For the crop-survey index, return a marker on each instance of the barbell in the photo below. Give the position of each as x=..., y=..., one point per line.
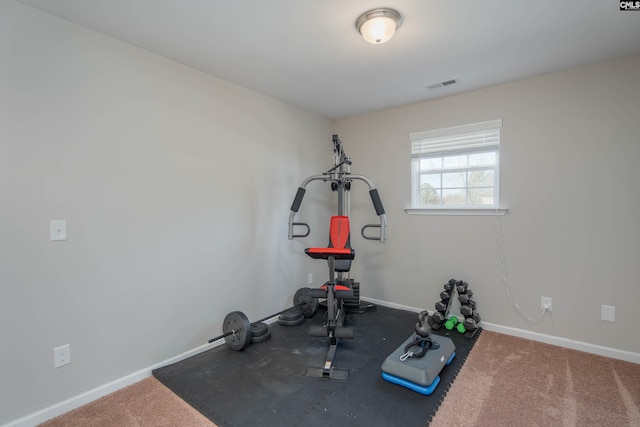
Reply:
x=236, y=328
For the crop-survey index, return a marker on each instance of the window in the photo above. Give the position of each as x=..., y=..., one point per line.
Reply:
x=456, y=167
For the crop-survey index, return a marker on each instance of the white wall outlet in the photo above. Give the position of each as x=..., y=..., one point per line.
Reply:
x=545, y=303
x=608, y=313
x=310, y=279
x=61, y=355
x=58, y=229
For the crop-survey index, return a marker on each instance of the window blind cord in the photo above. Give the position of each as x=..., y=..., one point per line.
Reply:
x=503, y=275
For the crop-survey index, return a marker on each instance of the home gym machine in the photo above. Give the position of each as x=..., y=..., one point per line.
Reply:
x=340, y=292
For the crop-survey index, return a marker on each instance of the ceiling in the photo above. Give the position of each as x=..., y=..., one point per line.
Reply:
x=309, y=53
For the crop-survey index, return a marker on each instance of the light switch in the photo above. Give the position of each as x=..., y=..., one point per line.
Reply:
x=58, y=229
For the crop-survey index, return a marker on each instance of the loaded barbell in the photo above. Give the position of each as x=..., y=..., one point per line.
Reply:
x=236, y=327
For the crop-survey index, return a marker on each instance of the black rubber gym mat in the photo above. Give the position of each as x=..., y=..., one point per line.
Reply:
x=265, y=384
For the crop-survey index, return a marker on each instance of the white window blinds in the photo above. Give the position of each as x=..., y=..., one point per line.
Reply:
x=476, y=136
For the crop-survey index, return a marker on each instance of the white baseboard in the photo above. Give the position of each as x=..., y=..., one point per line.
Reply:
x=627, y=356
x=394, y=305
x=98, y=392
x=53, y=411
x=535, y=336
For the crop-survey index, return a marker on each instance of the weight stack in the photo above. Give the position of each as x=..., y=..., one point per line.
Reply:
x=353, y=304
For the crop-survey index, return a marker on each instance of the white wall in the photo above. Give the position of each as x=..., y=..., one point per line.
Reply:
x=570, y=148
x=176, y=187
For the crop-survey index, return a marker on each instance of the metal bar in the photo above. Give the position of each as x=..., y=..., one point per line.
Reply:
x=278, y=313
x=292, y=214
x=221, y=336
x=328, y=364
x=256, y=322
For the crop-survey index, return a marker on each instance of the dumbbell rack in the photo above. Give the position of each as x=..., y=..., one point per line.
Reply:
x=467, y=308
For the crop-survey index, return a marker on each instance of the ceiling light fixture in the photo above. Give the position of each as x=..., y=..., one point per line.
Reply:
x=378, y=25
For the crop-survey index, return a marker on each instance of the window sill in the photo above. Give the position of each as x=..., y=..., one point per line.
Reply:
x=463, y=211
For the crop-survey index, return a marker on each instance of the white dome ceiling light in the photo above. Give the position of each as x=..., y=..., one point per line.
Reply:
x=378, y=25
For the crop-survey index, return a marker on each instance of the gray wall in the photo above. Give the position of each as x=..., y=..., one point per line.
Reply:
x=569, y=176
x=176, y=187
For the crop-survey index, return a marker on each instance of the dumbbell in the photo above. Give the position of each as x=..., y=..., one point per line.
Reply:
x=461, y=287
x=466, y=310
x=451, y=323
x=445, y=295
x=435, y=326
x=467, y=301
x=461, y=327
x=465, y=297
x=449, y=285
x=441, y=306
x=470, y=324
x=438, y=317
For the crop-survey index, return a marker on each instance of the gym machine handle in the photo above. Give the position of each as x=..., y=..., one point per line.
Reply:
x=371, y=226
x=373, y=192
x=302, y=224
x=377, y=203
x=295, y=206
x=297, y=201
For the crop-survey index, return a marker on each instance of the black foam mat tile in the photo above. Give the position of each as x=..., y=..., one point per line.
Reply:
x=266, y=383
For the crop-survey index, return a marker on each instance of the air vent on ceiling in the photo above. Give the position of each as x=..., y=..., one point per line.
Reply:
x=441, y=84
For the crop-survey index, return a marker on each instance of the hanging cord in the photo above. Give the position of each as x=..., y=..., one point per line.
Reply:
x=503, y=274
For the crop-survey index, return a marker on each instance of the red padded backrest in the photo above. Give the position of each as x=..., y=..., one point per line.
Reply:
x=339, y=232
x=339, y=241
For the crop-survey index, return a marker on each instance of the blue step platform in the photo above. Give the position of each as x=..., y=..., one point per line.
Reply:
x=419, y=374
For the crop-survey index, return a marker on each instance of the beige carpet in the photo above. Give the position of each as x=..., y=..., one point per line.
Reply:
x=509, y=381
x=147, y=403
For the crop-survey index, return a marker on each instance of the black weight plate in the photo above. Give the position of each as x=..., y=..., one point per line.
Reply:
x=259, y=329
x=288, y=319
x=308, y=305
x=294, y=314
x=261, y=338
x=237, y=322
x=294, y=322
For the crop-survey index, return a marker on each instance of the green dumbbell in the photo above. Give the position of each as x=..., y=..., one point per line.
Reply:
x=461, y=328
x=451, y=323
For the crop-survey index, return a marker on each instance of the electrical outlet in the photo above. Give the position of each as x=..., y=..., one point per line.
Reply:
x=310, y=278
x=61, y=356
x=545, y=303
x=608, y=313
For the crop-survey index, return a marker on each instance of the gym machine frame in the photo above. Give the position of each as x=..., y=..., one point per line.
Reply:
x=341, y=178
